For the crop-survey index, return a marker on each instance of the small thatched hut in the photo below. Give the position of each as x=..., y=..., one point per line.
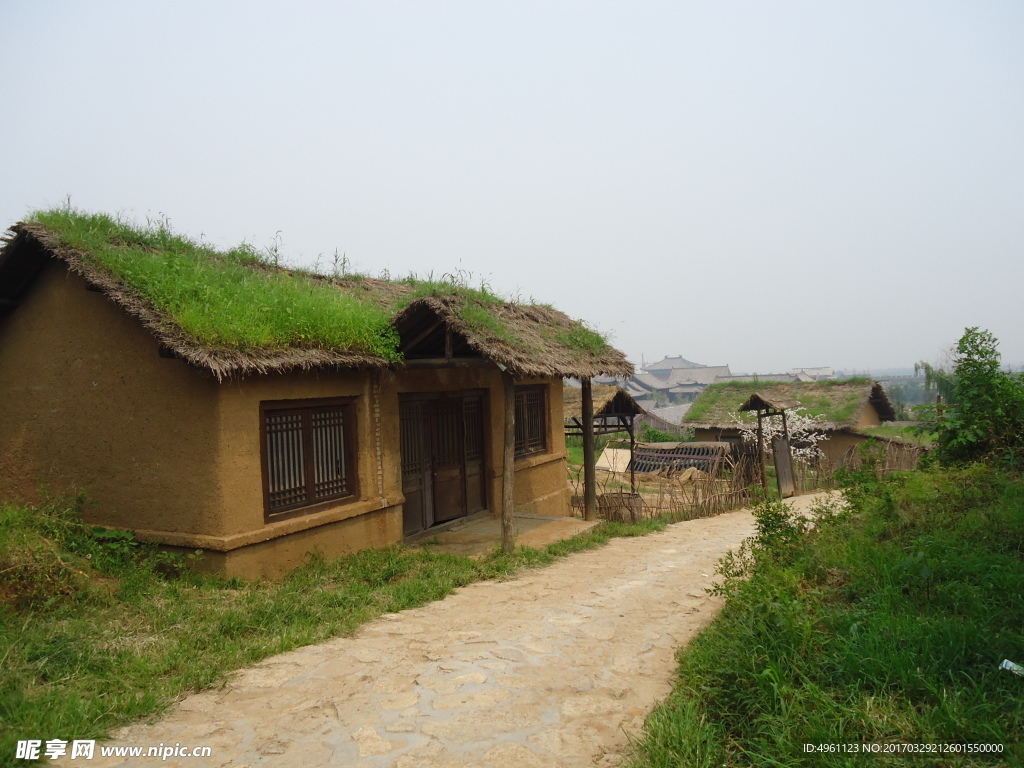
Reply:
x=211, y=400
x=846, y=408
x=613, y=407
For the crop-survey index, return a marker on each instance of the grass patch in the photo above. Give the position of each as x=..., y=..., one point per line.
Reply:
x=477, y=317
x=448, y=286
x=218, y=297
x=574, y=447
x=909, y=434
x=97, y=630
x=715, y=397
x=885, y=624
x=582, y=337
x=575, y=453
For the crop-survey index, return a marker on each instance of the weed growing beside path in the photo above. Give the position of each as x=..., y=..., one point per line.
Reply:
x=97, y=630
x=883, y=625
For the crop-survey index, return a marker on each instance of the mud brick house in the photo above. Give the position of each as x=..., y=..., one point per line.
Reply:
x=848, y=410
x=210, y=400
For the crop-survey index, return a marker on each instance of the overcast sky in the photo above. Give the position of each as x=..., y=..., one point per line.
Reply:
x=763, y=184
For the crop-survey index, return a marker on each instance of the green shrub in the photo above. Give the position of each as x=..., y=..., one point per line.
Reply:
x=985, y=421
x=649, y=434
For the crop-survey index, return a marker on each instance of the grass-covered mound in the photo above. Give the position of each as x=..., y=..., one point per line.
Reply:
x=884, y=625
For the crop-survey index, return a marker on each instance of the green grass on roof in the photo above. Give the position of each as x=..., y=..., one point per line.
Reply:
x=582, y=337
x=835, y=400
x=710, y=398
x=476, y=303
x=242, y=299
x=218, y=297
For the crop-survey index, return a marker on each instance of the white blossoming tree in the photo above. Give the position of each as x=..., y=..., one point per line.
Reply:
x=804, y=434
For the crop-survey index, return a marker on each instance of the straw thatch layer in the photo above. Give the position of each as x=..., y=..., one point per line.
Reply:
x=527, y=343
x=608, y=400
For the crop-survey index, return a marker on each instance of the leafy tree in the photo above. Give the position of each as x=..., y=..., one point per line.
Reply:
x=805, y=432
x=984, y=416
x=938, y=379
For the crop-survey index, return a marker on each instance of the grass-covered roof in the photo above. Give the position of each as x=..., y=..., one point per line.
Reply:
x=838, y=402
x=236, y=311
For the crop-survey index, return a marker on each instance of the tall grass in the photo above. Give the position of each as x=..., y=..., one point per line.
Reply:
x=885, y=624
x=582, y=337
x=97, y=630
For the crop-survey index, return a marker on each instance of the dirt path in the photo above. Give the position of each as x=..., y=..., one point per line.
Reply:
x=554, y=668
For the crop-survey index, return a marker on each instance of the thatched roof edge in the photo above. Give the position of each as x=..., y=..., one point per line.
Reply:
x=603, y=396
x=880, y=399
x=541, y=358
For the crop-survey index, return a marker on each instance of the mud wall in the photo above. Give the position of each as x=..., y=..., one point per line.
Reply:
x=89, y=405
x=868, y=416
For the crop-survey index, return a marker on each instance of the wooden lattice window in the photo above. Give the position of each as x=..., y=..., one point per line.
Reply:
x=308, y=453
x=531, y=420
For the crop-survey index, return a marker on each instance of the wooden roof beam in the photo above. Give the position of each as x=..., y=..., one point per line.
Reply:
x=422, y=335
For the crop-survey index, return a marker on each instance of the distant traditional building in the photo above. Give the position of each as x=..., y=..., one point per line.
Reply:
x=815, y=374
x=674, y=380
x=671, y=363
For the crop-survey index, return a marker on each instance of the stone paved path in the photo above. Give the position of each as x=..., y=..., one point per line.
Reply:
x=555, y=668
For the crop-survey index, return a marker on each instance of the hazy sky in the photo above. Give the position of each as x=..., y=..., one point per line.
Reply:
x=763, y=184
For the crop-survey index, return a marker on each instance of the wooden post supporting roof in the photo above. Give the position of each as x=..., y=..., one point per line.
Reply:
x=761, y=453
x=632, y=453
x=589, y=466
x=508, y=520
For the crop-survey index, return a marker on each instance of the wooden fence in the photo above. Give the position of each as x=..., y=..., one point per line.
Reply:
x=681, y=489
x=691, y=486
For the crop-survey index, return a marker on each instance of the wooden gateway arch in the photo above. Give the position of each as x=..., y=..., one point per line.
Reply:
x=767, y=405
x=593, y=410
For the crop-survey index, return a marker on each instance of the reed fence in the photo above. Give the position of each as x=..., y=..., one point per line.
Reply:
x=687, y=493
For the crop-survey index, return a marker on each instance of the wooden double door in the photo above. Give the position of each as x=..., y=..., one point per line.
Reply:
x=443, y=449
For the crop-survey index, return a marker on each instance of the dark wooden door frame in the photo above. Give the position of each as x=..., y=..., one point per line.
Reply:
x=426, y=447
